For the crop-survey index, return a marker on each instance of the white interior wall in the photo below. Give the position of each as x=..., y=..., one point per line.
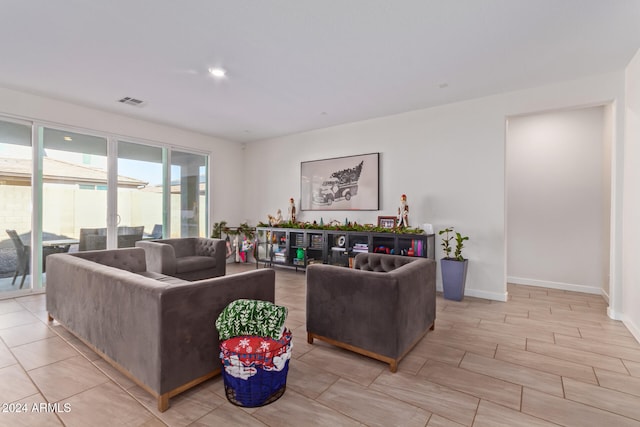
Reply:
x=419, y=154
x=226, y=178
x=556, y=200
x=631, y=216
x=449, y=160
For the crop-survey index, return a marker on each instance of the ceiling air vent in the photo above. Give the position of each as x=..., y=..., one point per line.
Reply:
x=131, y=101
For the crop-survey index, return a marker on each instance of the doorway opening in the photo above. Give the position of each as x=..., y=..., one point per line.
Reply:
x=558, y=199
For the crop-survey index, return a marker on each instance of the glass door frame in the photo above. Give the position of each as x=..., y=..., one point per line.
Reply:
x=32, y=281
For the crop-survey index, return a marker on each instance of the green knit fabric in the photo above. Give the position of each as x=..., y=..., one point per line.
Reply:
x=251, y=317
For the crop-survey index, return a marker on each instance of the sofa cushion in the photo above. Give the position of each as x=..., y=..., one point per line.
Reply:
x=206, y=247
x=162, y=278
x=129, y=259
x=194, y=263
x=183, y=247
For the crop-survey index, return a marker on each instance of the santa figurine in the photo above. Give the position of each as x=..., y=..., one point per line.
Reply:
x=292, y=210
x=403, y=212
x=275, y=220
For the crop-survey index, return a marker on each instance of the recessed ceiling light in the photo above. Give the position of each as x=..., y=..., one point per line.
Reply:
x=217, y=72
x=68, y=138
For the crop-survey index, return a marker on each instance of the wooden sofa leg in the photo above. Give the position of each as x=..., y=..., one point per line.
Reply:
x=393, y=366
x=309, y=338
x=163, y=402
x=433, y=326
x=49, y=317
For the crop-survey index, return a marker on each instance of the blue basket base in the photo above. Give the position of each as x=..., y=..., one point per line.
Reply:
x=258, y=390
x=231, y=397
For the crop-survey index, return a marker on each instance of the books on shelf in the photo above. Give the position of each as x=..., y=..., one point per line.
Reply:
x=417, y=247
x=360, y=247
x=316, y=241
x=279, y=255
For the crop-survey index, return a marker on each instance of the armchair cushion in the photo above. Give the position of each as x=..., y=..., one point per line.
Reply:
x=182, y=246
x=384, y=264
x=194, y=263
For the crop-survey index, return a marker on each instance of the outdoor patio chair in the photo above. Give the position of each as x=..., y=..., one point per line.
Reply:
x=156, y=233
x=23, y=253
x=92, y=239
x=128, y=236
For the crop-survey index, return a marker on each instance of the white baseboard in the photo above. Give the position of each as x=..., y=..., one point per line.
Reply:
x=555, y=285
x=614, y=314
x=486, y=295
x=633, y=328
x=481, y=294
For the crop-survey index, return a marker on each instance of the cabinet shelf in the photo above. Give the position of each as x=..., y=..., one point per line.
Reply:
x=334, y=247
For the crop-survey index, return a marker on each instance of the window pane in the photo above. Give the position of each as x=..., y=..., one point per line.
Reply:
x=140, y=199
x=74, y=196
x=15, y=210
x=188, y=194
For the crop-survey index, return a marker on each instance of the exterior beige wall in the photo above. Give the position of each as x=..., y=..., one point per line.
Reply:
x=15, y=213
x=67, y=208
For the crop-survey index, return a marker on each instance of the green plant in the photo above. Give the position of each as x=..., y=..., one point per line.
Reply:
x=458, y=252
x=246, y=230
x=218, y=228
x=446, y=243
x=221, y=227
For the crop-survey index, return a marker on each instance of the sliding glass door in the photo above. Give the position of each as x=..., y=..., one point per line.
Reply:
x=74, y=191
x=188, y=194
x=67, y=191
x=140, y=193
x=16, y=164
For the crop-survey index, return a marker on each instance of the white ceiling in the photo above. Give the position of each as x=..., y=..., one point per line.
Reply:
x=299, y=65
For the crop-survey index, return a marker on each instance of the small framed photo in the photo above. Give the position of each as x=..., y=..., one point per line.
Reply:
x=387, y=221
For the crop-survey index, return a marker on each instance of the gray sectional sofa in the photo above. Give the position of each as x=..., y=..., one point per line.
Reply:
x=381, y=308
x=158, y=330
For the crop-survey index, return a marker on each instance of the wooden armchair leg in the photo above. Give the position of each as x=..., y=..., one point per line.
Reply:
x=163, y=402
x=309, y=338
x=49, y=317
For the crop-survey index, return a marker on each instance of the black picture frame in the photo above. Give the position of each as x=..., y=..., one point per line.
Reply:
x=341, y=183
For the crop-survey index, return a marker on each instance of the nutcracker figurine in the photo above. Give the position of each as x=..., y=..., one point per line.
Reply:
x=403, y=212
x=292, y=210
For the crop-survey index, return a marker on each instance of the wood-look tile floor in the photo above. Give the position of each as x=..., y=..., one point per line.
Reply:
x=544, y=358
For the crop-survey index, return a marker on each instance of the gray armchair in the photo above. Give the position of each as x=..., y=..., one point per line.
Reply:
x=381, y=308
x=189, y=258
x=92, y=239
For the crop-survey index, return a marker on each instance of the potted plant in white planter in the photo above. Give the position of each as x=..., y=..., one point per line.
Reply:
x=454, y=268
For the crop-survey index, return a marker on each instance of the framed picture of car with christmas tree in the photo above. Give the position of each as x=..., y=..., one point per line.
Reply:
x=340, y=183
